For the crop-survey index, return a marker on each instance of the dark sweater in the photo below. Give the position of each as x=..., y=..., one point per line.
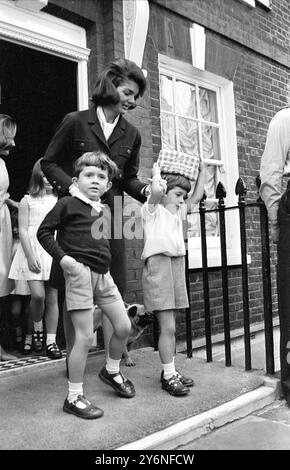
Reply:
x=78, y=235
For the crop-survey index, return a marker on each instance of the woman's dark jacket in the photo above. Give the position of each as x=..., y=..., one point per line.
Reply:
x=81, y=132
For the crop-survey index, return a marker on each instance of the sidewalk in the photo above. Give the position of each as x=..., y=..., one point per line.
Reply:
x=32, y=398
x=266, y=429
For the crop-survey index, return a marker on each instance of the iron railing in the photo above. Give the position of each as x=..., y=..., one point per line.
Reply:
x=221, y=209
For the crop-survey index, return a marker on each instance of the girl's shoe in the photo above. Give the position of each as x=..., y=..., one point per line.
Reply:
x=27, y=347
x=37, y=340
x=53, y=351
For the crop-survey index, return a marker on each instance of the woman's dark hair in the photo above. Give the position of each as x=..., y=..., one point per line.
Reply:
x=174, y=179
x=36, y=185
x=7, y=129
x=119, y=70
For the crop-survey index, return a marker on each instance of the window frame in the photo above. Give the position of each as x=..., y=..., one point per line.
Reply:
x=229, y=157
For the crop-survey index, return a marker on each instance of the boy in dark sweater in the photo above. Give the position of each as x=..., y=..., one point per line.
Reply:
x=82, y=250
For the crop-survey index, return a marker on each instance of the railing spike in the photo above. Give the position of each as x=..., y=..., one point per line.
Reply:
x=220, y=191
x=240, y=189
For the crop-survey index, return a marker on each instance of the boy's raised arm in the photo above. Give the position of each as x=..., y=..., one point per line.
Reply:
x=158, y=188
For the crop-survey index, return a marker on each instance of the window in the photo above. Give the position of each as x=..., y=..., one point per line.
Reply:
x=198, y=118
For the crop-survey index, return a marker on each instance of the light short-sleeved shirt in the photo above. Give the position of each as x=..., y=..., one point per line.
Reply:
x=163, y=234
x=275, y=162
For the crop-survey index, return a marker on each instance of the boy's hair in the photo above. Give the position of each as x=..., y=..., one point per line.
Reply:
x=7, y=129
x=36, y=185
x=174, y=179
x=119, y=70
x=98, y=159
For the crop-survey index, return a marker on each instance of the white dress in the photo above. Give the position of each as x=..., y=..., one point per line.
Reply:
x=21, y=287
x=6, y=285
x=38, y=208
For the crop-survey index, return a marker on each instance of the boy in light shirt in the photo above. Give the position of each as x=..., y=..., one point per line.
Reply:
x=163, y=278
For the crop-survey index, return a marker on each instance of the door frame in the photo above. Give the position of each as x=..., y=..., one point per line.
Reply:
x=46, y=33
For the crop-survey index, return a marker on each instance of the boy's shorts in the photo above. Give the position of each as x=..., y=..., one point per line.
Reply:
x=164, y=285
x=84, y=288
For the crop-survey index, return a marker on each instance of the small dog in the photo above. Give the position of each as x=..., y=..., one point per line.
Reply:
x=139, y=322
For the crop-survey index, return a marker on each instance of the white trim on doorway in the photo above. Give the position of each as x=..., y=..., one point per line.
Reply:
x=49, y=34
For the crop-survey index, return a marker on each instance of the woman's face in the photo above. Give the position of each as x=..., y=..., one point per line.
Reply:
x=128, y=91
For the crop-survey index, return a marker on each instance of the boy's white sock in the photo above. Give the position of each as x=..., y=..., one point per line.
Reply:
x=168, y=370
x=50, y=338
x=74, y=390
x=113, y=367
x=38, y=325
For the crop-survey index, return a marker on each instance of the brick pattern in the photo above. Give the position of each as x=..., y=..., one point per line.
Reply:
x=260, y=88
x=250, y=47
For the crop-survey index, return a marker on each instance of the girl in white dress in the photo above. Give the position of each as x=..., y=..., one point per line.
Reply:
x=32, y=263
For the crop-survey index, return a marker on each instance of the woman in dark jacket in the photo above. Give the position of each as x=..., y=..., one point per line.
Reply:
x=103, y=127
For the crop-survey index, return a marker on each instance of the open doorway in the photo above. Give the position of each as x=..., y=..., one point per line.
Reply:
x=37, y=90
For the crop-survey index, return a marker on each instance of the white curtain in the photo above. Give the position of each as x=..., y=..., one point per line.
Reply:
x=180, y=131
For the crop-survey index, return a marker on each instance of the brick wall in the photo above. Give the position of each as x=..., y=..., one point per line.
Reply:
x=251, y=48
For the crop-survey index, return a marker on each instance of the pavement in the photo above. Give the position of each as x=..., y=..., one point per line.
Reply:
x=32, y=418
x=266, y=429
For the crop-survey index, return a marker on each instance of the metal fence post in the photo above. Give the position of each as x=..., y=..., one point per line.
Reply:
x=241, y=191
x=220, y=195
x=266, y=276
x=207, y=321
x=188, y=309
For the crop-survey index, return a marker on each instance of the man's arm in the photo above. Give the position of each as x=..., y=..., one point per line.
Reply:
x=272, y=166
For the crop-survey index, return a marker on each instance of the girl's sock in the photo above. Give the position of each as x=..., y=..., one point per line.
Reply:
x=38, y=325
x=50, y=338
x=113, y=367
x=74, y=390
x=27, y=343
x=28, y=339
x=168, y=370
x=18, y=334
